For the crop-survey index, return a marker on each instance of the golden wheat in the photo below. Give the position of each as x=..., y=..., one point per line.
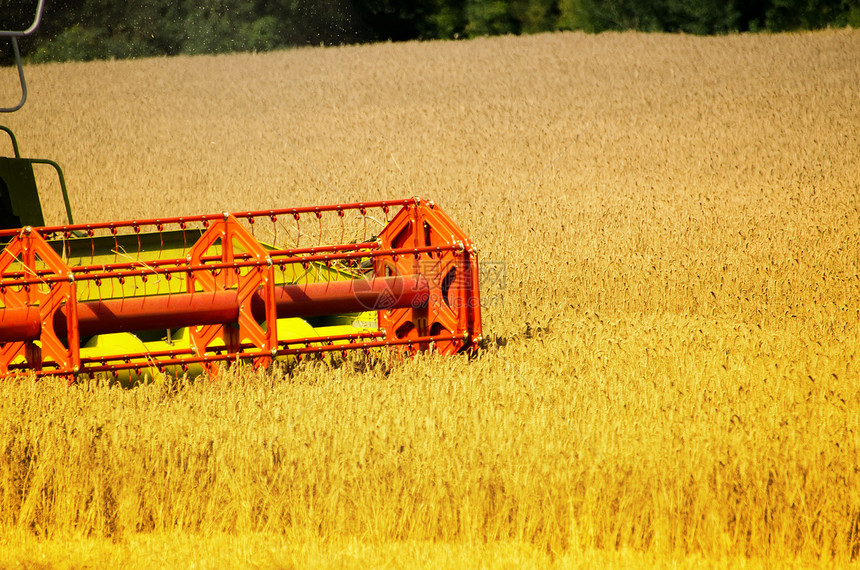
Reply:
x=671, y=231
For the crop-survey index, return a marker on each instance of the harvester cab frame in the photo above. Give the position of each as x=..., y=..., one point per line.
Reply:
x=20, y=204
x=142, y=298
x=13, y=36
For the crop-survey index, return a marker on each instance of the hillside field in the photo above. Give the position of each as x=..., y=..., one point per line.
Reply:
x=669, y=235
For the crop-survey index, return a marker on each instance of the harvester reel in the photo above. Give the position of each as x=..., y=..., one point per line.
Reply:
x=183, y=295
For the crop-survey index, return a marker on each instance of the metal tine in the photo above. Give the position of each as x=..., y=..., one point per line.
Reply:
x=274, y=230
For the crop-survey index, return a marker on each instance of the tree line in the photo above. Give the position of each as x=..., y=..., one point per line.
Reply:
x=104, y=29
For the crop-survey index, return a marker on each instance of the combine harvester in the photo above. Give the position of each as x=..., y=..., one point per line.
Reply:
x=184, y=295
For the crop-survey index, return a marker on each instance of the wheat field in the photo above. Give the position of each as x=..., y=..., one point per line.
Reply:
x=669, y=228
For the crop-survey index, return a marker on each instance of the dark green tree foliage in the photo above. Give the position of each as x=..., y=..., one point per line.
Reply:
x=488, y=18
x=809, y=14
x=395, y=20
x=448, y=19
x=702, y=17
x=708, y=16
x=98, y=29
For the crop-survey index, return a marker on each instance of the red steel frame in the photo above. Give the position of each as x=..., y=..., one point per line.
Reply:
x=423, y=283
